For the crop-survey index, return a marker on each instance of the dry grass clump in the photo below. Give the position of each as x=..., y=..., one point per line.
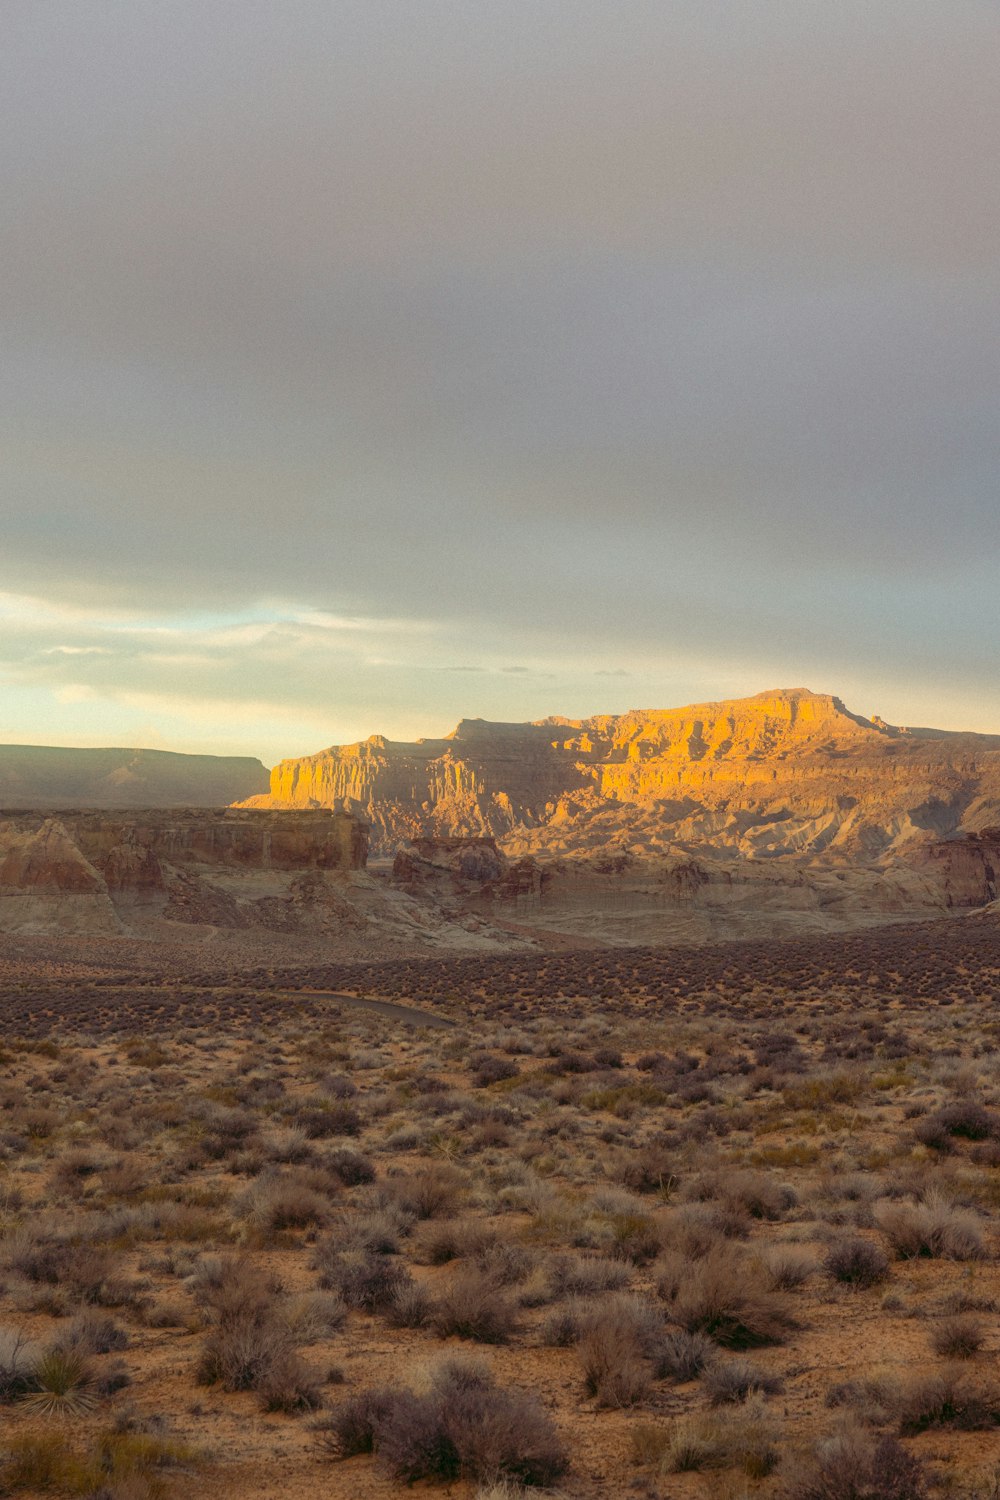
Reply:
x=463, y=1427
x=117, y=1465
x=931, y=1228
x=958, y=1337
x=743, y=1438
x=728, y=1297
x=615, y=1343
x=251, y=1345
x=856, y=1262
x=853, y=1465
x=953, y=1397
x=474, y=1305
x=734, y=1380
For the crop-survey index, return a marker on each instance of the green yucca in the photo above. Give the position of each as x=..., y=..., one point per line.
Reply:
x=61, y=1385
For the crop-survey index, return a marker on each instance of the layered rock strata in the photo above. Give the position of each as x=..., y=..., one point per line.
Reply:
x=103, y=872
x=775, y=813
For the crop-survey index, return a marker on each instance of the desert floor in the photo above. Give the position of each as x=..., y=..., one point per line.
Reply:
x=691, y=1222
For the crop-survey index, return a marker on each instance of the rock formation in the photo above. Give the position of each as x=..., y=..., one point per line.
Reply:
x=105, y=872
x=41, y=776
x=784, y=773
x=781, y=811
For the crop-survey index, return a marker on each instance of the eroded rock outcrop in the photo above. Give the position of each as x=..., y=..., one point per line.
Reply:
x=107, y=872
x=785, y=810
x=790, y=772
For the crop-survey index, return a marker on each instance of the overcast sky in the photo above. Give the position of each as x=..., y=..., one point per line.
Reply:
x=370, y=365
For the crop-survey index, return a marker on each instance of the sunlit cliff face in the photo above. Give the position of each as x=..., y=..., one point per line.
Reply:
x=784, y=772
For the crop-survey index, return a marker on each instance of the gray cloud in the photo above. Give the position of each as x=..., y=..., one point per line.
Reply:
x=666, y=333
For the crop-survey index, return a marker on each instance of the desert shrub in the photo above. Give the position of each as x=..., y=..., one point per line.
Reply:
x=250, y=1346
x=309, y=1316
x=949, y=1398
x=634, y=1237
x=285, y=1384
x=369, y=1283
x=272, y=1204
x=353, y=1426
x=873, y=1400
x=463, y=1427
x=964, y=1118
x=726, y=1296
x=856, y=1262
x=350, y=1166
x=958, y=1337
x=508, y=1264
x=852, y=1465
x=92, y=1332
x=651, y=1169
x=435, y=1244
x=288, y=1146
x=487, y=1069
x=338, y=1086
x=410, y=1306
x=474, y=1306
x=320, y=1119
x=430, y=1193
x=580, y=1276
x=616, y=1369
x=251, y=1351
x=736, y=1379
x=375, y=1231
x=562, y=1326
x=85, y=1272
x=740, y=1438
x=682, y=1356
x=787, y=1267
x=745, y=1192
x=17, y=1360
x=231, y=1285
x=932, y=1228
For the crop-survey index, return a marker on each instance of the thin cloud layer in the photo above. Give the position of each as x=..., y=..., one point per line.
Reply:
x=661, y=339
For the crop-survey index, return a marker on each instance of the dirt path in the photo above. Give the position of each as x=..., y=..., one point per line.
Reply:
x=408, y=1014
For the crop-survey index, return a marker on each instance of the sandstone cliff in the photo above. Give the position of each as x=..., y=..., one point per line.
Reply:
x=789, y=772
x=103, y=872
x=777, y=813
x=40, y=776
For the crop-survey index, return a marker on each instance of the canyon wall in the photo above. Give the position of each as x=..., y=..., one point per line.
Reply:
x=104, y=872
x=779, y=813
x=789, y=772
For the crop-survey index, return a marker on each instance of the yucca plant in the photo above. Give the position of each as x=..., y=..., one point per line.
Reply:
x=61, y=1385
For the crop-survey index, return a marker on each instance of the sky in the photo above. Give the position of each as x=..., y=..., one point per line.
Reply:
x=372, y=364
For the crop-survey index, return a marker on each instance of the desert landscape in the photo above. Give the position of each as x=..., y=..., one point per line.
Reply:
x=717, y=1220
x=329, y=1174
x=499, y=750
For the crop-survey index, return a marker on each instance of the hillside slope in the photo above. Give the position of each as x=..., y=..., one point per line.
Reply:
x=41, y=776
